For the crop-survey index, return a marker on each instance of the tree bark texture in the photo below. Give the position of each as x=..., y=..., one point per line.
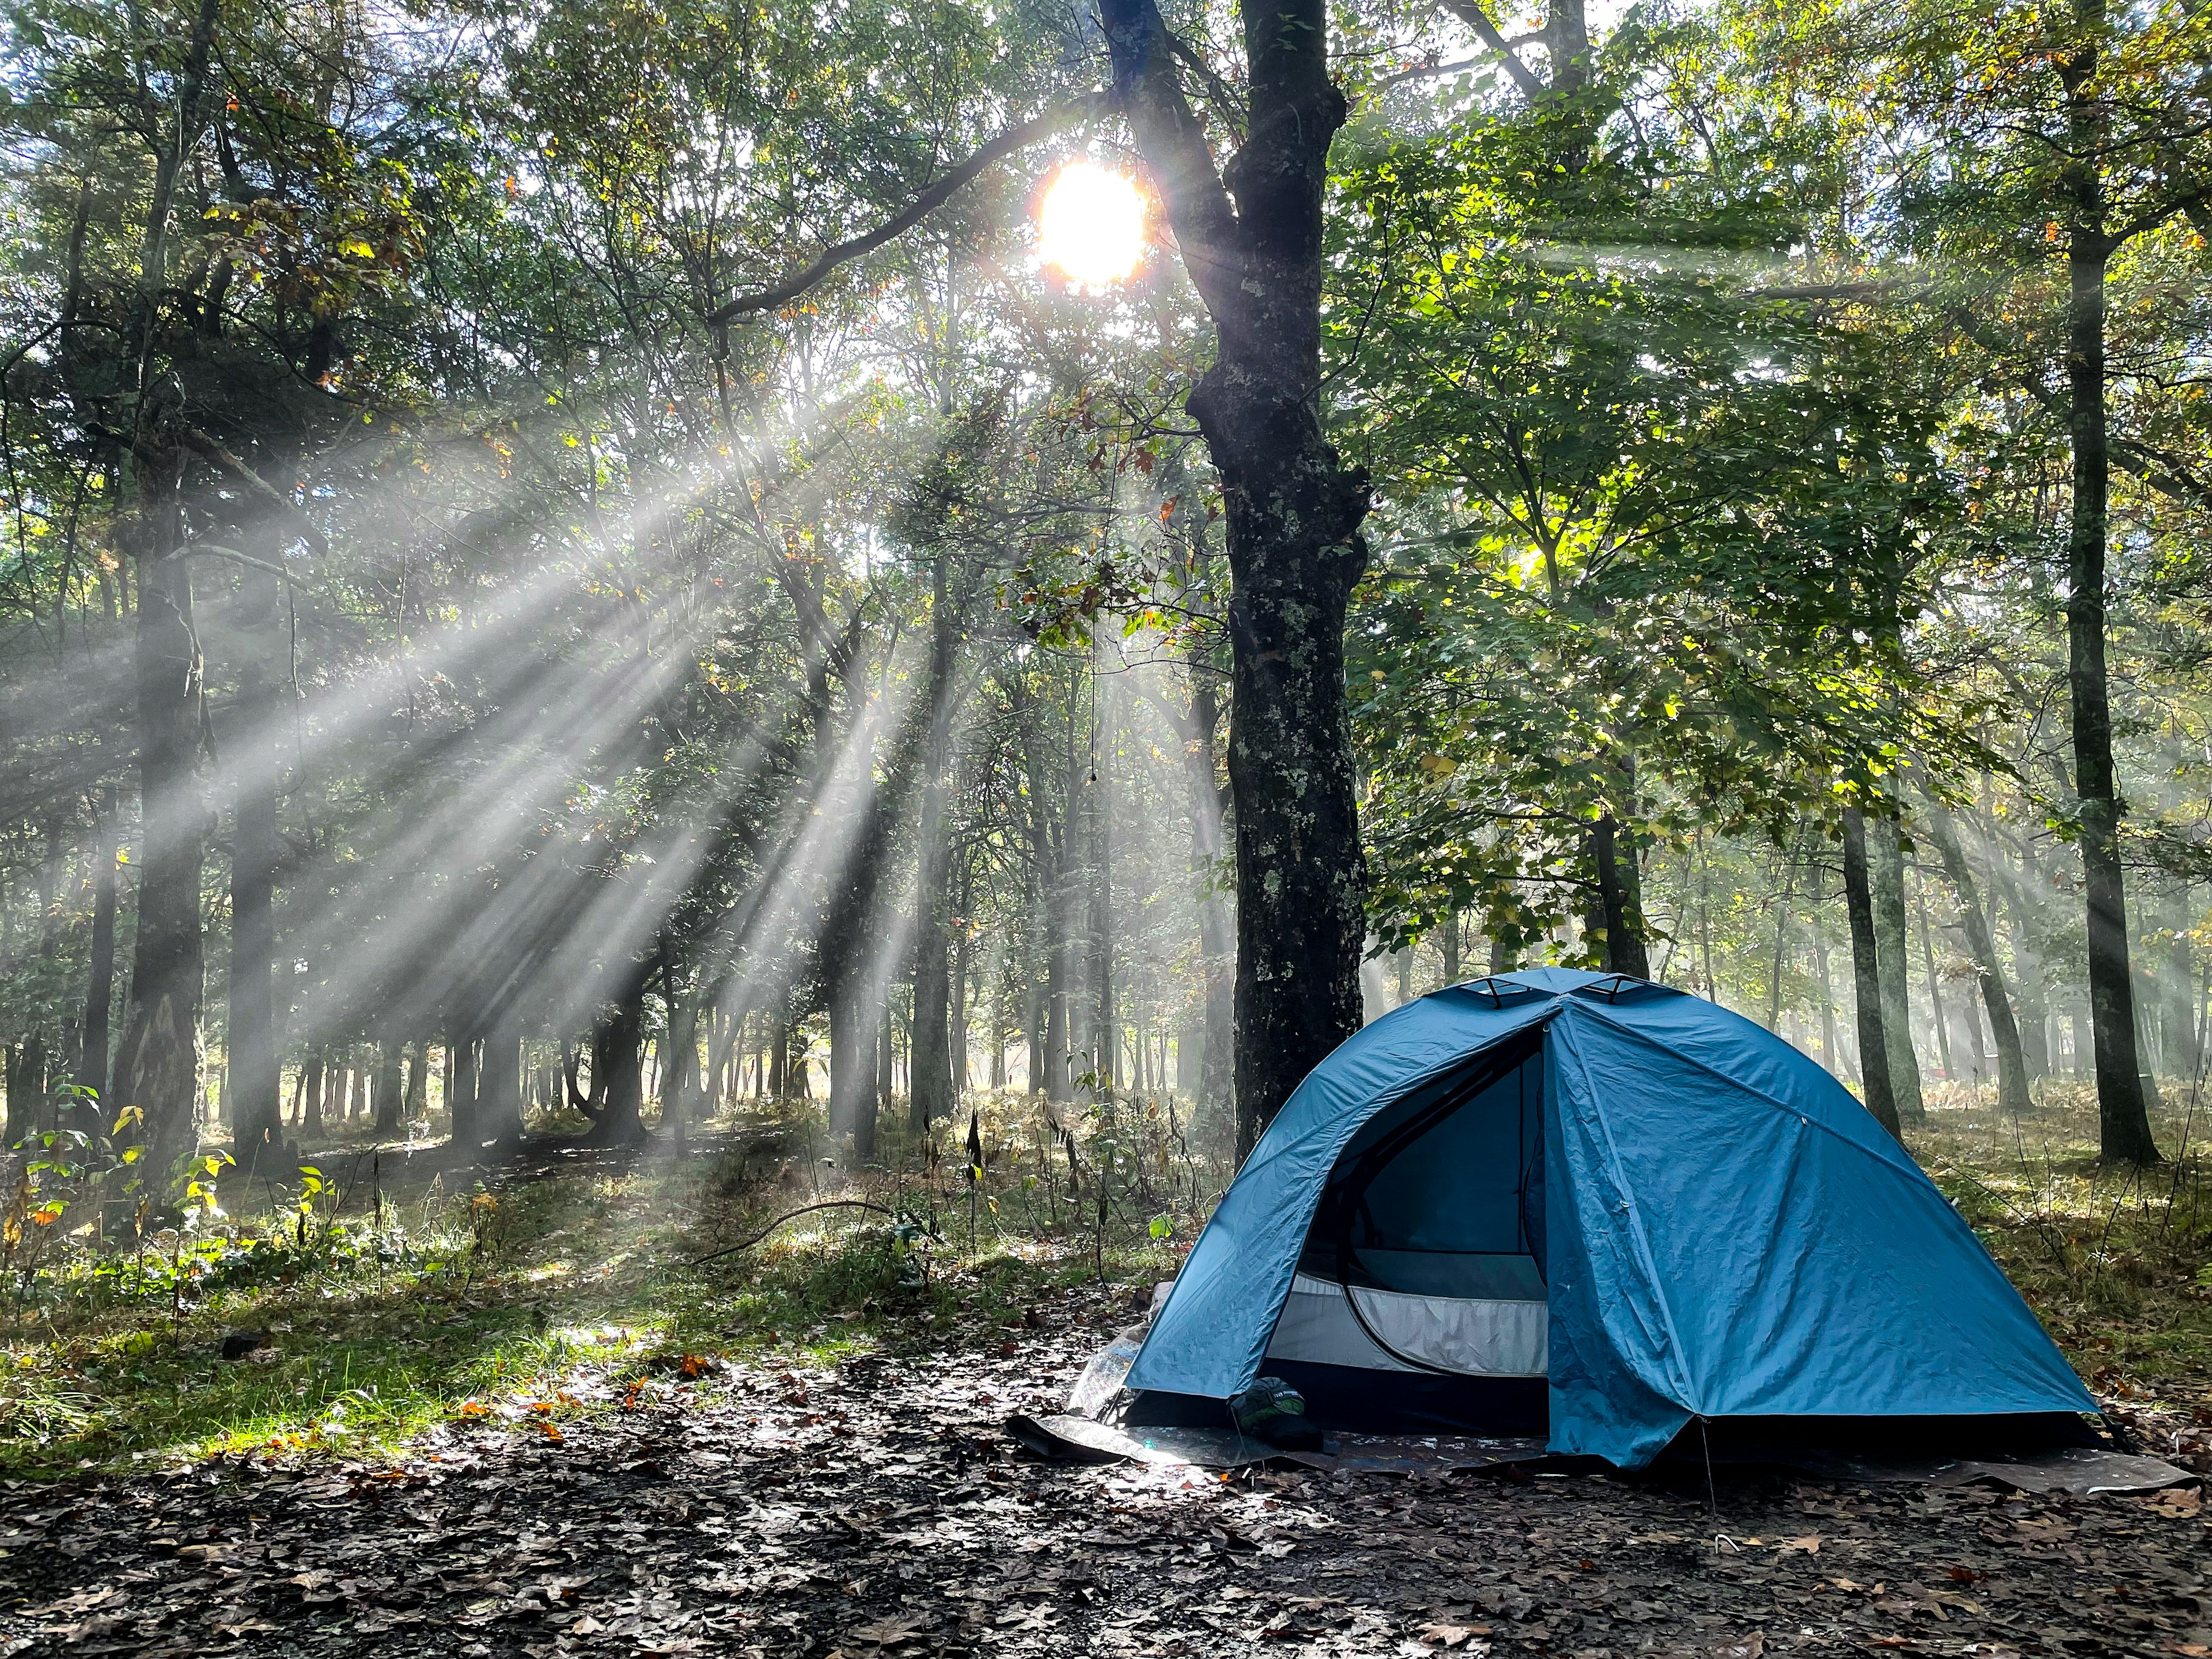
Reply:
x=618, y=1055
x=461, y=1102
x=1098, y=813
x=391, y=1086
x=498, y=1082
x=1619, y=901
x=1251, y=239
x=1866, y=975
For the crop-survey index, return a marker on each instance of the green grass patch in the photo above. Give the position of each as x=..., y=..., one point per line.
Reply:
x=568, y=1289
x=2117, y=1262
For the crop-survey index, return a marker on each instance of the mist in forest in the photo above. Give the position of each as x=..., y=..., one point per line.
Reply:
x=524, y=615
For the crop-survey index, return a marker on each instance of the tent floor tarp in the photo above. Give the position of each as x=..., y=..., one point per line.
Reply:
x=2049, y=1452
x=2082, y=1471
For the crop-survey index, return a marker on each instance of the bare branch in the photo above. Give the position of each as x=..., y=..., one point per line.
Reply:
x=1054, y=121
x=209, y=551
x=1470, y=12
x=201, y=444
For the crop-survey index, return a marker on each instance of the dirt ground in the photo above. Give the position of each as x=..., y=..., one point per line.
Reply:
x=880, y=1509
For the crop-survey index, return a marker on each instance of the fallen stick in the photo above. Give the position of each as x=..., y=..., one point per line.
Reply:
x=828, y=1204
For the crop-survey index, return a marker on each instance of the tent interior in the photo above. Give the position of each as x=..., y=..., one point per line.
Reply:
x=1419, y=1301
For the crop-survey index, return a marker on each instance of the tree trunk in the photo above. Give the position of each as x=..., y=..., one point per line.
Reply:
x=1886, y=872
x=930, y=1087
x=1618, y=906
x=679, y=1069
x=856, y=1019
x=1251, y=239
x=621, y=1047
x=1781, y=939
x=2123, y=1121
x=2004, y=1030
x=461, y=1105
x=1217, y=937
x=391, y=1087
x=1106, y=1032
x=2181, y=995
x=256, y=1084
x=157, y=1069
x=311, y=1095
x=957, y=1022
x=499, y=1082
x=2031, y=990
x=1830, y=1044
x=1935, y=981
x=100, y=978
x=1866, y=975
x=1047, y=837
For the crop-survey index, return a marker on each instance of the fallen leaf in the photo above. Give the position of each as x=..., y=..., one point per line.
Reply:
x=1449, y=1636
x=885, y=1631
x=1810, y=1544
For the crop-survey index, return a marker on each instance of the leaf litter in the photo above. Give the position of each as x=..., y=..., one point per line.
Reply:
x=877, y=1509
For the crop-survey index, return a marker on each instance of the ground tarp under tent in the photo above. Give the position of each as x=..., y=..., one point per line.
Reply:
x=1594, y=1209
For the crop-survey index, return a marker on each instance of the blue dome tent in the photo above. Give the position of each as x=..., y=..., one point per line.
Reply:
x=1588, y=1206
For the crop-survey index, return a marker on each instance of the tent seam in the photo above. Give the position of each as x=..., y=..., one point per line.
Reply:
x=1907, y=1168
x=1679, y=1353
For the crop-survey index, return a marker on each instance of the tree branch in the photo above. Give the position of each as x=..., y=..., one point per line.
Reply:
x=1052, y=121
x=200, y=443
x=1470, y=12
x=209, y=551
x=1173, y=143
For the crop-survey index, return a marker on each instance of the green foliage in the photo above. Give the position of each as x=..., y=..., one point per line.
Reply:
x=1651, y=537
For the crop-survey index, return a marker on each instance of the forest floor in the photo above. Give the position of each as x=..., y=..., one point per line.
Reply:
x=532, y=1428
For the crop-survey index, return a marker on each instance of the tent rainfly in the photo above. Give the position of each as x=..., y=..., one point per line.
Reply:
x=1588, y=1206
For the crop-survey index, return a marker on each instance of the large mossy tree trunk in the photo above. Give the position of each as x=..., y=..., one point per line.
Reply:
x=2123, y=1122
x=1251, y=239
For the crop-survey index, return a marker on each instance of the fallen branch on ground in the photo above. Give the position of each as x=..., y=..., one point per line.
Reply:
x=827, y=1204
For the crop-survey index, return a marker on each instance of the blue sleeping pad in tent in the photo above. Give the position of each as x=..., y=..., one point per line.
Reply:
x=1613, y=1200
